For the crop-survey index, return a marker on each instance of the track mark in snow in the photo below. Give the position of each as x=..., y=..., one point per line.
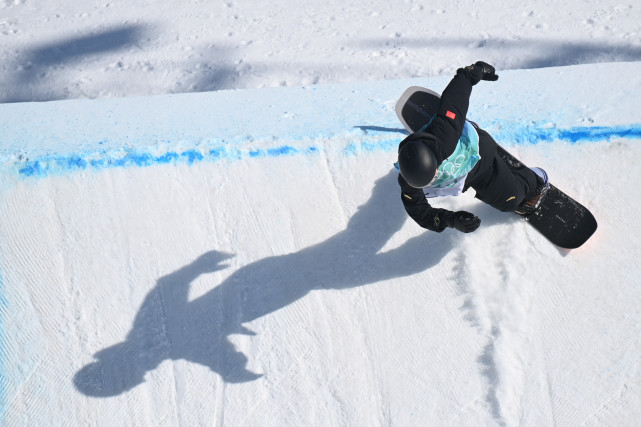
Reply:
x=177, y=378
x=466, y=282
x=334, y=187
x=219, y=417
x=488, y=361
x=470, y=312
x=498, y=306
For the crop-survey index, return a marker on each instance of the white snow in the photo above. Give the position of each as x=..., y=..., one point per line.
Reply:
x=111, y=48
x=241, y=257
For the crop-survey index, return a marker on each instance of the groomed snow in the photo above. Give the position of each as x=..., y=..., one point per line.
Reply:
x=267, y=286
x=89, y=48
x=241, y=257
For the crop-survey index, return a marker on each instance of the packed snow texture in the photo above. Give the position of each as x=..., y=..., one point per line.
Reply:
x=105, y=48
x=242, y=257
x=268, y=286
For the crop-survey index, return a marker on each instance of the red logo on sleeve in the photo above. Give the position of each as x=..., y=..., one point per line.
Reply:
x=450, y=115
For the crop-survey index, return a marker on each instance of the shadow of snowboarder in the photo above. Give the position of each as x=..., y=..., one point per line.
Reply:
x=169, y=327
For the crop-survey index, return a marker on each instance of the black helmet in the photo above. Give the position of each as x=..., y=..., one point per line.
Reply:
x=417, y=163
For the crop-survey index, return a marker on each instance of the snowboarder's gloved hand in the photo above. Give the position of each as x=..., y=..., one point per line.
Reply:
x=465, y=222
x=482, y=71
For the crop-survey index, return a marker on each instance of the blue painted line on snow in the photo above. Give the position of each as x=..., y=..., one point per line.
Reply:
x=536, y=134
x=368, y=140
x=136, y=158
x=515, y=135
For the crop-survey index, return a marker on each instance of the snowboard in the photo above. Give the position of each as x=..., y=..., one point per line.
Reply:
x=561, y=219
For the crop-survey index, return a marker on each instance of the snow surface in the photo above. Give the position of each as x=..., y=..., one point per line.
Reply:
x=111, y=48
x=242, y=257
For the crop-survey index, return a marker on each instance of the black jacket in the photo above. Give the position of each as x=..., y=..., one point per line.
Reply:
x=447, y=127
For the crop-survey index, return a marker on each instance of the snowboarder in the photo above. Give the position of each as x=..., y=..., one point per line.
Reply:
x=451, y=154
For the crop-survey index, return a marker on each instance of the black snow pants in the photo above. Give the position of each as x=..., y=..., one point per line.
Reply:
x=495, y=183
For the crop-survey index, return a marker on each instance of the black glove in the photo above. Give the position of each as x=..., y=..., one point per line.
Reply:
x=482, y=71
x=465, y=222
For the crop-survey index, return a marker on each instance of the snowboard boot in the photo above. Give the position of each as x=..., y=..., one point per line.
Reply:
x=542, y=186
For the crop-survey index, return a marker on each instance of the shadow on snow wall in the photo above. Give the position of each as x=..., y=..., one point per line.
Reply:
x=33, y=79
x=508, y=54
x=35, y=74
x=169, y=327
